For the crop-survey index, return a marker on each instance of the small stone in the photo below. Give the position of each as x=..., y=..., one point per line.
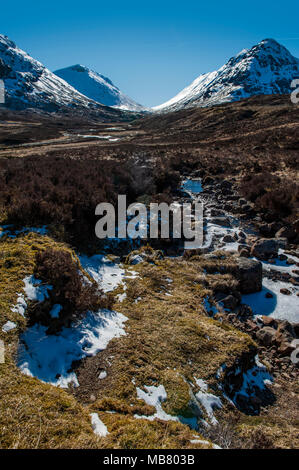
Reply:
x=269, y=321
x=285, y=291
x=228, y=239
x=241, y=235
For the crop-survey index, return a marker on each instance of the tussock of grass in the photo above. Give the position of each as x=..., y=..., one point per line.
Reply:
x=127, y=432
x=36, y=415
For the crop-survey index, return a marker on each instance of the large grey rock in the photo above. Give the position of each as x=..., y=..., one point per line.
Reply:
x=265, y=248
x=249, y=273
x=266, y=336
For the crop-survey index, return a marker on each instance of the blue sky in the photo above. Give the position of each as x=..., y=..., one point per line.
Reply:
x=149, y=49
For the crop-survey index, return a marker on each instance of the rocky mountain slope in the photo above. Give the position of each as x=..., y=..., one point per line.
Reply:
x=29, y=84
x=267, y=68
x=97, y=87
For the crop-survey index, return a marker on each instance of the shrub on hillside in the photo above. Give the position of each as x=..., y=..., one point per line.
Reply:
x=74, y=292
x=272, y=195
x=61, y=191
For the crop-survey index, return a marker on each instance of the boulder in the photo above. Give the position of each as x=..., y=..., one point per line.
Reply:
x=296, y=329
x=228, y=239
x=269, y=321
x=286, y=232
x=270, y=229
x=226, y=184
x=223, y=221
x=287, y=329
x=286, y=349
x=249, y=274
x=245, y=311
x=242, y=201
x=243, y=246
x=265, y=248
x=282, y=242
x=215, y=212
x=208, y=180
x=244, y=253
x=230, y=302
x=266, y=336
x=285, y=291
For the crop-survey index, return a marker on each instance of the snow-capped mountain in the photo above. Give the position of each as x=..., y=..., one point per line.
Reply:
x=267, y=68
x=29, y=84
x=97, y=87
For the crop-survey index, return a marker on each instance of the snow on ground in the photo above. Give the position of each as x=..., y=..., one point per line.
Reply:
x=255, y=378
x=209, y=402
x=107, y=273
x=20, y=306
x=281, y=266
x=201, y=384
x=35, y=290
x=99, y=428
x=280, y=306
x=103, y=270
x=9, y=325
x=100, y=137
x=155, y=396
x=121, y=297
x=215, y=232
x=198, y=440
x=50, y=357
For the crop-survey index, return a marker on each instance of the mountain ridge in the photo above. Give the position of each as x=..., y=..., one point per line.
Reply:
x=29, y=84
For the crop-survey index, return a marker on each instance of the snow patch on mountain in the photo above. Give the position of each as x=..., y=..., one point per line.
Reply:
x=97, y=87
x=267, y=68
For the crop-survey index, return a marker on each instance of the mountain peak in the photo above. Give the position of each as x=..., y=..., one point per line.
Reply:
x=97, y=87
x=265, y=69
x=271, y=46
x=269, y=42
